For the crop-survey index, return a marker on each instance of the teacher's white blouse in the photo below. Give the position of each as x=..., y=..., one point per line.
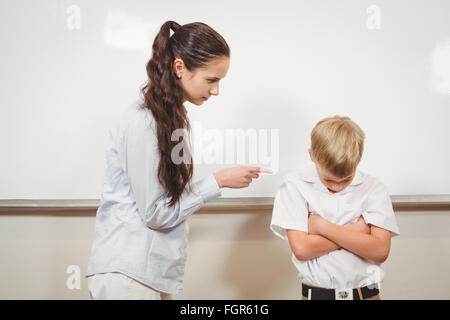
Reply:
x=136, y=233
x=302, y=192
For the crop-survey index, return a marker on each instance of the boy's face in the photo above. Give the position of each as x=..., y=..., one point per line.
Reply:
x=333, y=183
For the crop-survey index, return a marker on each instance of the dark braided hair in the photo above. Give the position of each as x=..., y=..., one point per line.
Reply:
x=196, y=44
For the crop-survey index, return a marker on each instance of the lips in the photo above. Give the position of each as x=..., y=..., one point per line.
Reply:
x=205, y=99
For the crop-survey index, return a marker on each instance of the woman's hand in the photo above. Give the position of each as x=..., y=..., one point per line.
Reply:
x=237, y=177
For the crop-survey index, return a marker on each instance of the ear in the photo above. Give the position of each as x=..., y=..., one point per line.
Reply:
x=310, y=155
x=178, y=67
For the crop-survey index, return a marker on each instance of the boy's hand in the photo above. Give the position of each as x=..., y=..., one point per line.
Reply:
x=315, y=224
x=360, y=226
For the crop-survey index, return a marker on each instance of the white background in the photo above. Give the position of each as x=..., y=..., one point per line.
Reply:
x=292, y=64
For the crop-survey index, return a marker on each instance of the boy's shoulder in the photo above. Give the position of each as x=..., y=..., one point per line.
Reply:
x=307, y=173
x=372, y=182
x=304, y=176
x=365, y=184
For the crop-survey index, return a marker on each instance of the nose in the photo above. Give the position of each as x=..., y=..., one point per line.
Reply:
x=214, y=91
x=335, y=187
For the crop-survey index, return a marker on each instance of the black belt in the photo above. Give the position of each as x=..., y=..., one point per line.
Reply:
x=330, y=294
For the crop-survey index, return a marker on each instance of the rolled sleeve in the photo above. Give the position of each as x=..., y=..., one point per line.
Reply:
x=379, y=210
x=290, y=210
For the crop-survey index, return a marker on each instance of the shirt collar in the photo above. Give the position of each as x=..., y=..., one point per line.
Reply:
x=358, y=179
x=309, y=174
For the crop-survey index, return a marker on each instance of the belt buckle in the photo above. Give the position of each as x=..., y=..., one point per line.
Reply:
x=343, y=294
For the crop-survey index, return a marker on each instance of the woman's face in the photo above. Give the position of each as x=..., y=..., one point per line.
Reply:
x=202, y=82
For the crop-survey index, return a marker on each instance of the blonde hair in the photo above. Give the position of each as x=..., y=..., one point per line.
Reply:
x=337, y=144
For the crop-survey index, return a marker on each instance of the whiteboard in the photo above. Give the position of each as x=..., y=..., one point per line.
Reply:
x=70, y=68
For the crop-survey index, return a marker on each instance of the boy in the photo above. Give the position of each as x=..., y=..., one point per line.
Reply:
x=339, y=221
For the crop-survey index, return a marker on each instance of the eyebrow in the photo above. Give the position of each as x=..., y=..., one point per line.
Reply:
x=213, y=78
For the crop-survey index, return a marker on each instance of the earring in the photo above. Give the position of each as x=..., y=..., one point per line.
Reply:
x=179, y=76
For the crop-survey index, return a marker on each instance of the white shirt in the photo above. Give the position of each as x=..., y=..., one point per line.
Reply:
x=302, y=192
x=136, y=233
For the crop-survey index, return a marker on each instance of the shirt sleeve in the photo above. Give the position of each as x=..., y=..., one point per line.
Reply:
x=142, y=163
x=290, y=210
x=379, y=210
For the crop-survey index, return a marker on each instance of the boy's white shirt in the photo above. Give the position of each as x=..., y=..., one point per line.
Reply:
x=302, y=193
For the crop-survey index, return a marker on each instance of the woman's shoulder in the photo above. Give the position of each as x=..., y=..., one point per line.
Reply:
x=136, y=120
x=136, y=116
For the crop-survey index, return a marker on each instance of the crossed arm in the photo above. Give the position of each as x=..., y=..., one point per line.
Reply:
x=367, y=241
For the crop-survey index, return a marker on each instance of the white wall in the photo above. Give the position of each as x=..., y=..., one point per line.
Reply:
x=292, y=63
x=230, y=256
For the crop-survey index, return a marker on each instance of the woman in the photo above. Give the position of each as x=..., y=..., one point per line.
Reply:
x=139, y=248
